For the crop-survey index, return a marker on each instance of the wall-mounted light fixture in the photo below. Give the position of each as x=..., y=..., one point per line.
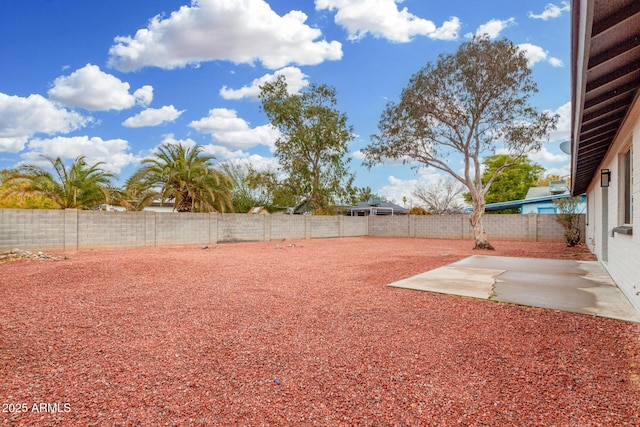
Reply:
x=605, y=177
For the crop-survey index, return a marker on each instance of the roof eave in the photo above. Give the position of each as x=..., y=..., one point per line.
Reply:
x=582, y=20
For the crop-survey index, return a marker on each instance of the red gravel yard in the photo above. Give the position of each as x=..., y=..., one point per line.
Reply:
x=299, y=333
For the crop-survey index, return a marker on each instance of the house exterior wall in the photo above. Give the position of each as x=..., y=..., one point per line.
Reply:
x=535, y=208
x=619, y=253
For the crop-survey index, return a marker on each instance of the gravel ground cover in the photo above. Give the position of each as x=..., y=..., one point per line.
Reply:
x=299, y=333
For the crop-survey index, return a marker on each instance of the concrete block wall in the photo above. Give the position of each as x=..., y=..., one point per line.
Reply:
x=98, y=229
x=241, y=228
x=181, y=229
x=531, y=227
x=290, y=227
x=70, y=230
x=441, y=226
x=506, y=227
x=325, y=226
x=354, y=226
x=20, y=228
x=548, y=228
x=389, y=226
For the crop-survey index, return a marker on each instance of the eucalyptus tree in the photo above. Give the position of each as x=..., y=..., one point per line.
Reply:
x=185, y=176
x=78, y=186
x=460, y=109
x=313, y=142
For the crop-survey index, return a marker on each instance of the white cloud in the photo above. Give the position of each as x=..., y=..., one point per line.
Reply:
x=382, y=18
x=535, y=54
x=547, y=159
x=398, y=188
x=21, y=118
x=545, y=156
x=239, y=31
x=448, y=30
x=229, y=130
x=551, y=11
x=113, y=152
x=562, y=133
x=144, y=95
x=170, y=139
x=153, y=117
x=563, y=128
x=296, y=80
x=358, y=155
x=240, y=157
x=92, y=89
x=563, y=171
x=555, y=62
x=493, y=28
x=226, y=155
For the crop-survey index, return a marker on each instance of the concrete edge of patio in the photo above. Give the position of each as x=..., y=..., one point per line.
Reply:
x=566, y=285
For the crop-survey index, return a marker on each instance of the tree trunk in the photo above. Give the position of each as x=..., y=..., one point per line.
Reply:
x=478, y=228
x=185, y=204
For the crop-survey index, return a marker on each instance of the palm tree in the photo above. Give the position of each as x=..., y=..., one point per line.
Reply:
x=135, y=195
x=184, y=175
x=80, y=186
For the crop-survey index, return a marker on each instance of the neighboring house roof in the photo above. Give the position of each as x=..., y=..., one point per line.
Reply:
x=303, y=208
x=380, y=206
x=535, y=195
x=605, y=59
x=535, y=192
x=258, y=210
x=553, y=189
x=512, y=204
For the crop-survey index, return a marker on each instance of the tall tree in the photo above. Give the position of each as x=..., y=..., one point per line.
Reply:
x=513, y=183
x=442, y=197
x=79, y=186
x=313, y=143
x=462, y=106
x=244, y=195
x=186, y=176
x=274, y=188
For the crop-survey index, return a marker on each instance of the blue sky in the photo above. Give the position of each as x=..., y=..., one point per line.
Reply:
x=114, y=79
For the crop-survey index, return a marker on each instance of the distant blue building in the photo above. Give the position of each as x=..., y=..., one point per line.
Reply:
x=540, y=200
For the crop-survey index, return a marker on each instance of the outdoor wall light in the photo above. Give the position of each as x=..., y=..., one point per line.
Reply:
x=605, y=177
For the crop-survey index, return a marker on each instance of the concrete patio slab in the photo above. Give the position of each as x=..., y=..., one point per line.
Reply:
x=574, y=286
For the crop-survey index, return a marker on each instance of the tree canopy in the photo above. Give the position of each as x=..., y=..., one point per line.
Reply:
x=514, y=182
x=460, y=108
x=15, y=196
x=185, y=176
x=78, y=186
x=313, y=143
x=246, y=193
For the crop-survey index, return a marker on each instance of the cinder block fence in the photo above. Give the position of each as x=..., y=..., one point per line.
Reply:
x=71, y=230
